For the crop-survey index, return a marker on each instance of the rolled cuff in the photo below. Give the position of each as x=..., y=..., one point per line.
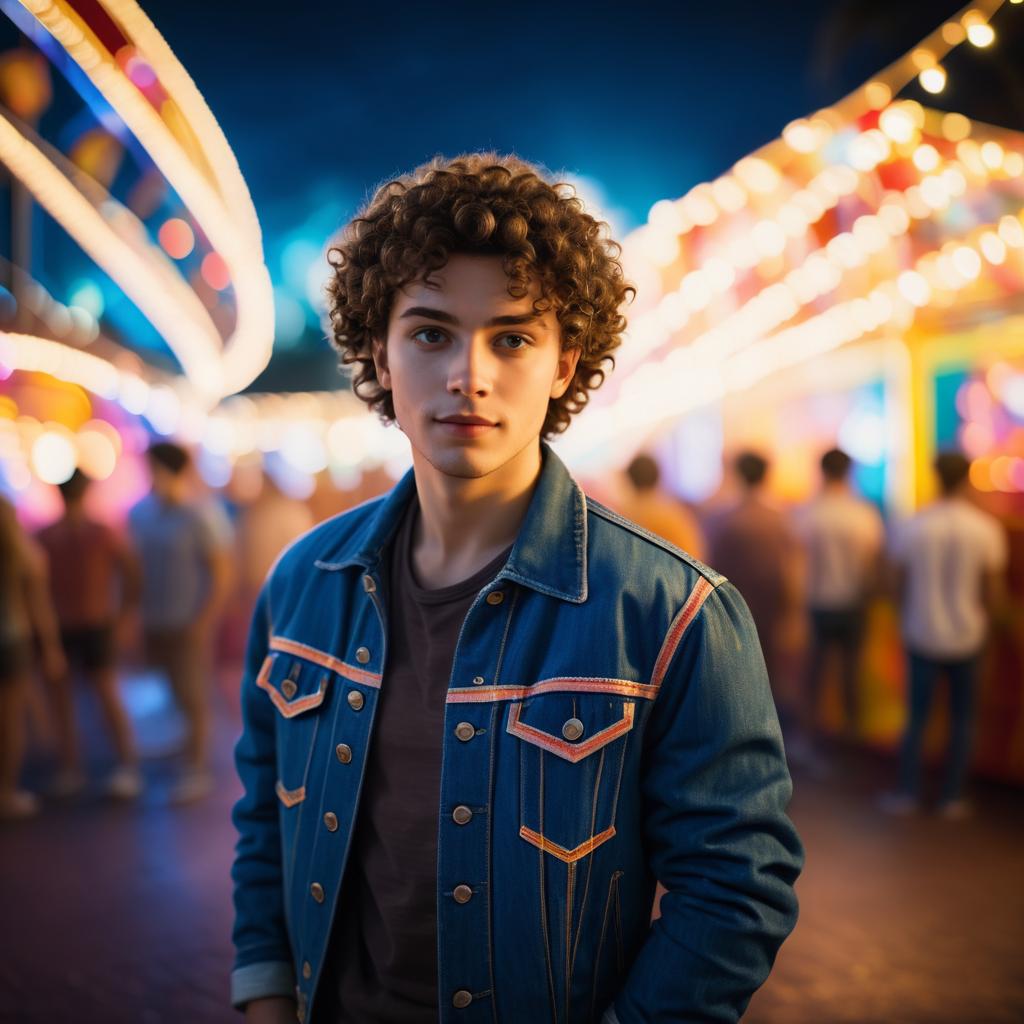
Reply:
x=262, y=980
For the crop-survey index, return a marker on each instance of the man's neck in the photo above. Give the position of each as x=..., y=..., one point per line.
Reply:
x=466, y=522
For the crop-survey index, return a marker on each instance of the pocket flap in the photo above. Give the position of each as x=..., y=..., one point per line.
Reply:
x=293, y=685
x=570, y=728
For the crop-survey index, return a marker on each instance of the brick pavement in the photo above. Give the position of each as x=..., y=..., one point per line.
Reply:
x=122, y=914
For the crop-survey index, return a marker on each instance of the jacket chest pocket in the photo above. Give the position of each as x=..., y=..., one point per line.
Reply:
x=571, y=748
x=298, y=689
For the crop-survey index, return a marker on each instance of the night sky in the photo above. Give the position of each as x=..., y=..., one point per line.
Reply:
x=321, y=101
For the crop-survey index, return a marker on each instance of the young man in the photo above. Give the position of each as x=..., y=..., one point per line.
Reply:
x=950, y=561
x=483, y=715
x=843, y=537
x=184, y=579
x=94, y=580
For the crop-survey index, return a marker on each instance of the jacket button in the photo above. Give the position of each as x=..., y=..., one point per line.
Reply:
x=355, y=700
x=465, y=731
x=289, y=689
x=344, y=752
x=316, y=890
x=331, y=821
x=573, y=729
x=462, y=894
x=462, y=815
x=368, y=585
x=495, y=597
x=307, y=970
x=478, y=680
x=462, y=999
x=362, y=655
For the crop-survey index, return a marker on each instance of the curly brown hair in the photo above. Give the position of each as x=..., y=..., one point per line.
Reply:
x=479, y=203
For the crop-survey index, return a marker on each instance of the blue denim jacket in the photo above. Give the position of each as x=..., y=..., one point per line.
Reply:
x=608, y=725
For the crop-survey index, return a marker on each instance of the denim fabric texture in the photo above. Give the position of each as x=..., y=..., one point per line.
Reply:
x=608, y=724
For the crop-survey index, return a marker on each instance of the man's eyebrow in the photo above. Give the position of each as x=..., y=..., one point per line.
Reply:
x=439, y=314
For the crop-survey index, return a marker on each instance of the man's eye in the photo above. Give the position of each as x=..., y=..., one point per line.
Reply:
x=515, y=341
x=429, y=335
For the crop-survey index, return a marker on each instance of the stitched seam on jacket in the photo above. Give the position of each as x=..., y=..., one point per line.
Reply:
x=590, y=862
x=700, y=593
x=289, y=797
x=562, y=684
x=568, y=856
x=543, y=901
x=322, y=658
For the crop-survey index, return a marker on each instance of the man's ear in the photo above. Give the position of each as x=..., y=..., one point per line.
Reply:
x=379, y=351
x=567, y=360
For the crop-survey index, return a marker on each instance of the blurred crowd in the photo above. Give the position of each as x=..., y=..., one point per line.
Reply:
x=809, y=576
x=80, y=602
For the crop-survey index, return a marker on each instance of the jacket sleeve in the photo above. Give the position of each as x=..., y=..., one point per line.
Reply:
x=715, y=790
x=263, y=957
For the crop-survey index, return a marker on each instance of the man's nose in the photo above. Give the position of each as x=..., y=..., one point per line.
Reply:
x=469, y=372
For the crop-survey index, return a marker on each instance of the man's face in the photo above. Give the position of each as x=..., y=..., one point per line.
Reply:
x=461, y=347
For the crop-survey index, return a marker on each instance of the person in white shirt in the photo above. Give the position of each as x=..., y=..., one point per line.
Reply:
x=950, y=558
x=843, y=537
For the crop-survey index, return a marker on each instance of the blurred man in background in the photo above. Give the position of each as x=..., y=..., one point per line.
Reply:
x=950, y=560
x=650, y=507
x=753, y=545
x=843, y=539
x=94, y=581
x=26, y=616
x=184, y=580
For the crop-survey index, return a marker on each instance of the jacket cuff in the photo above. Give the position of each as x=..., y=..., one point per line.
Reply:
x=261, y=980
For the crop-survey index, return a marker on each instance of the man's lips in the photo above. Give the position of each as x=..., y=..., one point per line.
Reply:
x=466, y=427
x=467, y=421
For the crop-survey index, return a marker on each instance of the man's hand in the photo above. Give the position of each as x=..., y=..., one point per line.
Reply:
x=273, y=1010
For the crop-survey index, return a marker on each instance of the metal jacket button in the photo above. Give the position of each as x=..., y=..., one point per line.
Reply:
x=573, y=729
x=465, y=731
x=478, y=680
x=362, y=655
x=462, y=893
x=316, y=890
x=462, y=815
x=355, y=700
x=462, y=999
x=368, y=585
x=495, y=597
x=307, y=970
x=331, y=821
x=288, y=688
x=344, y=752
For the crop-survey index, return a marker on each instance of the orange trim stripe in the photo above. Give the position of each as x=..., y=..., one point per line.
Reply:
x=288, y=708
x=289, y=797
x=572, y=752
x=564, y=684
x=686, y=615
x=357, y=675
x=569, y=856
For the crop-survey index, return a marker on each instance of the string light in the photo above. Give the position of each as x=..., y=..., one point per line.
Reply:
x=933, y=79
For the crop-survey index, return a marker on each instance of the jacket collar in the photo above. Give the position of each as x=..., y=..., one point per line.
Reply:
x=550, y=552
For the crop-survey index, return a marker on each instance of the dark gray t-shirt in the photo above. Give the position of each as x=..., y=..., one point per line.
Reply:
x=382, y=963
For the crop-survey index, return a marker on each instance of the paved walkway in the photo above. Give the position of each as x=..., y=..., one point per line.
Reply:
x=122, y=914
